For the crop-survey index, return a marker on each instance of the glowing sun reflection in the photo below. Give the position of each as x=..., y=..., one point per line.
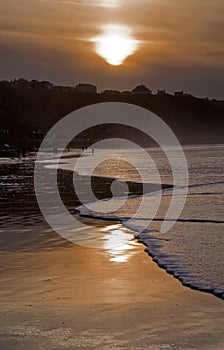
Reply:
x=115, y=44
x=119, y=243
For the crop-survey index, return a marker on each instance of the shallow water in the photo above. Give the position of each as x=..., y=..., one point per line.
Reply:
x=192, y=249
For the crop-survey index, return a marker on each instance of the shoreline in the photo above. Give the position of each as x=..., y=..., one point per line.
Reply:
x=218, y=294
x=168, y=270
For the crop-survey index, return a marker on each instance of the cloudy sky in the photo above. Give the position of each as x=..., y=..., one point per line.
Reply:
x=176, y=44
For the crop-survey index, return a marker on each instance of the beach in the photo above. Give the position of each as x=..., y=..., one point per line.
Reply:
x=59, y=295
x=72, y=297
x=111, y=175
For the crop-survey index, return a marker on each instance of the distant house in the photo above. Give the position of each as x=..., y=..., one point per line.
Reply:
x=86, y=88
x=111, y=92
x=161, y=92
x=66, y=88
x=179, y=93
x=34, y=84
x=20, y=83
x=141, y=90
x=46, y=85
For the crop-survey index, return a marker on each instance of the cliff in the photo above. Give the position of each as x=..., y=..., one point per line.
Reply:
x=24, y=110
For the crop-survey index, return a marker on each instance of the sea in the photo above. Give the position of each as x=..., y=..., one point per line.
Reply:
x=192, y=250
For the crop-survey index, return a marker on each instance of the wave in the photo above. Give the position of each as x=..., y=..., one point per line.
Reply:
x=149, y=238
x=155, y=245
x=84, y=212
x=168, y=263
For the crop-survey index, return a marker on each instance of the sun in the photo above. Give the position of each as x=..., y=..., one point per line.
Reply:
x=115, y=44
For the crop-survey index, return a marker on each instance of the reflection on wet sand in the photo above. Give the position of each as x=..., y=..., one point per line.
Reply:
x=119, y=243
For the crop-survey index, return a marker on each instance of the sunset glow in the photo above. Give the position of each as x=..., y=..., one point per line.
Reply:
x=115, y=44
x=110, y=3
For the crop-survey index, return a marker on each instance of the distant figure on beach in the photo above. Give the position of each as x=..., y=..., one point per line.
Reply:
x=55, y=151
x=93, y=152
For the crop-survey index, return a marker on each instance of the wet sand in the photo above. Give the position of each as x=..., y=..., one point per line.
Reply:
x=57, y=295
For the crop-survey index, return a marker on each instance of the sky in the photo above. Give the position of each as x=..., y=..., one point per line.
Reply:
x=174, y=44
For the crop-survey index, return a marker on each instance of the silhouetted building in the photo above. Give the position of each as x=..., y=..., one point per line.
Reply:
x=161, y=92
x=22, y=83
x=65, y=88
x=86, y=88
x=111, y=92
x=179, y=93
x=141, y=89
x=32, y=85
x=46, y=85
